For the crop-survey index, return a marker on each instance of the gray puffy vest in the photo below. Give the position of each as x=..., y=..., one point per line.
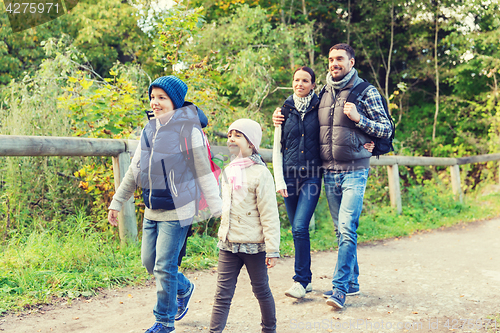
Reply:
x=341, y=141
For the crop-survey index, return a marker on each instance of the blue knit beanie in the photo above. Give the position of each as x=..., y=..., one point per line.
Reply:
x=175, y=88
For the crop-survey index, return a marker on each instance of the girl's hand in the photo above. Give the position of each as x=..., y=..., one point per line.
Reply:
x=271, y=262
x=369, y=146
x=284, y=193
x=113, y=217
x=278, y=117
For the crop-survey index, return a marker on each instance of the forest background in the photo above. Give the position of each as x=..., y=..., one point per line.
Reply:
x=86, y=74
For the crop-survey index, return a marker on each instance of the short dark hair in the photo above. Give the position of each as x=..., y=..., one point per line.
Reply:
x=306, y=69
x=342, y=46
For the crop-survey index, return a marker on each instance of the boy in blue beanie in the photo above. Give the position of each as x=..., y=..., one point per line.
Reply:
x=170, y=192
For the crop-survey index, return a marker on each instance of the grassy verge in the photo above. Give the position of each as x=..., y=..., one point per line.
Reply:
x=72, y=260
x=52, y=264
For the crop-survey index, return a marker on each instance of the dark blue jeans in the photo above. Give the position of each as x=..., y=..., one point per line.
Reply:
x=303, y=195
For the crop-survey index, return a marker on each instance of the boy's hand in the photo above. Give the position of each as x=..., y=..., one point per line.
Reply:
x=278, y=117
x=113, y=217
x=271, y=262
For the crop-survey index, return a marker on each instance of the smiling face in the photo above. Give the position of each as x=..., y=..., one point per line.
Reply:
x=339, y=64
x=302, y=83
x=238, y=144
x=160, y=102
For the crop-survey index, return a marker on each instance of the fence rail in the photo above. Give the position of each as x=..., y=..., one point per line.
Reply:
x=120, y=150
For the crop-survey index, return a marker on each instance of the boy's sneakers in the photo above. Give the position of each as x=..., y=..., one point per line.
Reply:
x=351, y=292
x=309, y=287
x=337, y=300
x=296, y=290
x=160, y=328
x=183, y=303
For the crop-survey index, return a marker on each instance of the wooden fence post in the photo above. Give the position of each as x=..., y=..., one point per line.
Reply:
x=127, y=223
x=394, y=188
x=455, y=182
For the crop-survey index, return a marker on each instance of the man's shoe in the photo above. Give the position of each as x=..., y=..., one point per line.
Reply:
x=296, y=291
x=352, y=291
x=183, y=303
x=160, y=328
x=337, y=300
x=309, y=288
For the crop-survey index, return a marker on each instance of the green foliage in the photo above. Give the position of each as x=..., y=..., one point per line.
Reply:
x=105, y=31
x=41, y=187
x=103, y=108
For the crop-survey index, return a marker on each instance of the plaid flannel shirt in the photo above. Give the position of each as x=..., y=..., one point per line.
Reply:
x=373, y=119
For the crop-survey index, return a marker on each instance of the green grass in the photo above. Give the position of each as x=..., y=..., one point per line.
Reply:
x=46, y=265
x=72, y=260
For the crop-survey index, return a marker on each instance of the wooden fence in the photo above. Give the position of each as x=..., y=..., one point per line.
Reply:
x=120, y=151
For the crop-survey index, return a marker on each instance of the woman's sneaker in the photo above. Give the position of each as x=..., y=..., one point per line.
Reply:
x=160, y=328
x=183, y=303
x=296, y=291
x=352, y=291
x=337, y=300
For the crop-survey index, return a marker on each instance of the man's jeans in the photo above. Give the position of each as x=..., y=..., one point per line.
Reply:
x=344, y=192
x=168, y=238
x=303, y=195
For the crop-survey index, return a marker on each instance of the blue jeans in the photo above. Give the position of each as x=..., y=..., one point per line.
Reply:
x=303, y=195
x=168, y=237
x=344, y=192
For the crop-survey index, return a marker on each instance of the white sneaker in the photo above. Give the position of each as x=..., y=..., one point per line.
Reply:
x=309, y=288
x=296, y=291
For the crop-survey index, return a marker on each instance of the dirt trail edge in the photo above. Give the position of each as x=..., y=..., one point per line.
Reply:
x=440, y=281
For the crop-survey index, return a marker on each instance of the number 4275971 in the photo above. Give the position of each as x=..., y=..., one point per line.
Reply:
x=26, y=7
x=470, y=324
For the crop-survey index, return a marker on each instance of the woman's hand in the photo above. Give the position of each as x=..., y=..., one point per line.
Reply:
x=278, y=117
x=271, y=262
x=369, y=146
x=284, y=193
x=113, y=217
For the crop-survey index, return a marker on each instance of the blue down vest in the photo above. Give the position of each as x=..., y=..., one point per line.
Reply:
x=300, y=144
x=166, y=179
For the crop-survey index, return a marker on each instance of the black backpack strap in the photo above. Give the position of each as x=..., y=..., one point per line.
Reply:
x=321, y=92
x=356, y=91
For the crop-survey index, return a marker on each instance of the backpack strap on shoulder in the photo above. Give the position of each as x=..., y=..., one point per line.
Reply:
x=321, y=92
x=357, y=91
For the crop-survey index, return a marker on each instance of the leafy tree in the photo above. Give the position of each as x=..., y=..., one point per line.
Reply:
x=106, y=31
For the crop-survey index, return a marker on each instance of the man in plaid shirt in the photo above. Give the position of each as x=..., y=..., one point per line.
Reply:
x=344, y=129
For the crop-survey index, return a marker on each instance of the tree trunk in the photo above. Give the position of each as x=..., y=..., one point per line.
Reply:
x=349, y=22
x=310, y=38
x=283, y=21
x=389, y=58
x=437, y=74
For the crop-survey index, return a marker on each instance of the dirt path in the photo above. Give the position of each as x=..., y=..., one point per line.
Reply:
x=410, y=284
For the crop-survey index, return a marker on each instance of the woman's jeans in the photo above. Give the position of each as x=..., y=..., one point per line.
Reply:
x=228, y=269
x=344, y=192
x=161, y=245
x=303, y=195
